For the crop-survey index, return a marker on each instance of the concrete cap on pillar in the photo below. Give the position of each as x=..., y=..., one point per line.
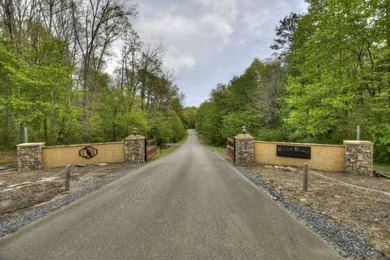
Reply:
x=356, y=142
x=30, y=144
x=244, y=136
x=134, y=137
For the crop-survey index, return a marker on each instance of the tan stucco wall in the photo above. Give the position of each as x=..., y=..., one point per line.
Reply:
x=57, y=156
x=323, y=157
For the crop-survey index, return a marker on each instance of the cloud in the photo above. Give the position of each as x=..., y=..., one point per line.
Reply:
x=187, y=39
x=228, y=9
x=179, y=60
x=208, y=42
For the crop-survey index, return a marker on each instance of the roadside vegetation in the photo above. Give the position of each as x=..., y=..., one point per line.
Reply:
x=329, y=74
x=218, y=148
x=165, y=148
x=382, y=167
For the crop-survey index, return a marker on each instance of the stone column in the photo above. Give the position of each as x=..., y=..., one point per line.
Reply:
x=244, y=149
x=30, y=156
x=135, y=149
x=359, y=157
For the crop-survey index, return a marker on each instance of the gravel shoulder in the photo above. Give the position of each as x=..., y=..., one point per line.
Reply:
x=351, y=212
x=28, y=196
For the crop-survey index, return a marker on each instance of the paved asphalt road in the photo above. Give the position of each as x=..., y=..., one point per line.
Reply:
x=189, y=205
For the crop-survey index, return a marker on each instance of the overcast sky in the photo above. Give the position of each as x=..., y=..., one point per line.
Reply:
x=207, y=42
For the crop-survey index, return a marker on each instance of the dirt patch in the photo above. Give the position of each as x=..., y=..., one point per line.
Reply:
x=21, y=191
x=7, y=157
x=360, y=203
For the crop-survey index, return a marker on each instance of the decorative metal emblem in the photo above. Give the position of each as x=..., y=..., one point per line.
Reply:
x=88, y=152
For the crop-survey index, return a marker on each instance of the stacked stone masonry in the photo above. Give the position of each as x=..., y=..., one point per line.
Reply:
x=359, y=157
x=244, y=150
x=135, y=149
x=30, y=156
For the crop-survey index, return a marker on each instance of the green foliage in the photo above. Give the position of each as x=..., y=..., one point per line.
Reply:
x=252, y=100
x=209, y=121
x=338, y=65
x=37, y=96
x=336, y=59
x=52, y=79
x=137, y=119
x=188, y=117
x=381, y=138
x=273, y=134
x=232, y=122
x=178, y=128
x=166, y=128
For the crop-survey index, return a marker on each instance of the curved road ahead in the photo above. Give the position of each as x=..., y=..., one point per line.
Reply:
x=191, y=204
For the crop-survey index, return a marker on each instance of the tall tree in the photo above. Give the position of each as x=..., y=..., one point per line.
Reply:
x=336, y=44
x=284, y=32
x=97, y=24
x=37, y=96
x=252, y=99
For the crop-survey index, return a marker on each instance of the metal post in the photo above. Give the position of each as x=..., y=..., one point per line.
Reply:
x=234, y=149
x=305, y=176
x=146, y=150
x=358, y=132
x=25, y=131
x=67, y=177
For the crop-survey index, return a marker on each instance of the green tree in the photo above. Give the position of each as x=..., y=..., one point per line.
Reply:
x=209, y=121
x=335, y=81
x=37, y=96
x=189, y=117
x=253, y=99
x=52, y=79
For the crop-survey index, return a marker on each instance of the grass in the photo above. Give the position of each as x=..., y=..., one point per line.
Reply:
x=219, y=149
x=163, y=152
x=382, y=167
x=203, y=140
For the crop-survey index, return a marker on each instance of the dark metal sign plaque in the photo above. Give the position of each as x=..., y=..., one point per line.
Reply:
x=303, y=152
x=88, y=152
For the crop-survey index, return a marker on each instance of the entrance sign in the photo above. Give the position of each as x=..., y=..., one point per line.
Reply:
x=303, y=152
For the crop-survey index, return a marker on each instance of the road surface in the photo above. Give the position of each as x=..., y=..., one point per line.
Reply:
x=191, y=204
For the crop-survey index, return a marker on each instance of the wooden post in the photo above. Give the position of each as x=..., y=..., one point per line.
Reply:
x=305, y=176
x=67, y=177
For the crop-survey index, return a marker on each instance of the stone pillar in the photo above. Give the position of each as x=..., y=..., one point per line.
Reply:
x=359, y=157
x=30, y=156
x=244, y=149
x=135, y=149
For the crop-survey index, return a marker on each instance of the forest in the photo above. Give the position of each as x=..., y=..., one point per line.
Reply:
x=330, y=73
x=53, y=60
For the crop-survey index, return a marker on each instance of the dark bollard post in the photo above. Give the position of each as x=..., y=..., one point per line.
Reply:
x=67, y=177
x=305, y=176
